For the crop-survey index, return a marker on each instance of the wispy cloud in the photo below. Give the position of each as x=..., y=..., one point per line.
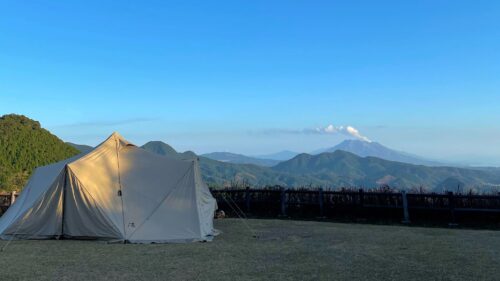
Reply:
x=349, y=131
x=103, y=123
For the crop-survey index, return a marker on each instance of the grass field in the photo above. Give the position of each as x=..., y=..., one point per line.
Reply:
x=284, y=250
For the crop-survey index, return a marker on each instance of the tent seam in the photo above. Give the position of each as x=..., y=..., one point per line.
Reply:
x=161, y=202
x=121, y=188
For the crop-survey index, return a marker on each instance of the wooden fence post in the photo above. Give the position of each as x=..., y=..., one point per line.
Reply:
x=247, y=198
x=361, y=197
x=451, y=204
x=12, y=197
x=320, y=201
x=283, y=202
x=406, y=219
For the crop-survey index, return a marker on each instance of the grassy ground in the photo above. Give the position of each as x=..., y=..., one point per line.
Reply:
x=284, y=250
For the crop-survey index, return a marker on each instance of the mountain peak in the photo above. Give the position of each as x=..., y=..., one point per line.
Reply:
x=164, y=149
x=374, y=149
x=360, y=142
x=357, y=141
x=20, y=120
x=160, y=147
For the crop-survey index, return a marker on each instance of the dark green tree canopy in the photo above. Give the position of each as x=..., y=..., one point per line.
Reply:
x=25, y=145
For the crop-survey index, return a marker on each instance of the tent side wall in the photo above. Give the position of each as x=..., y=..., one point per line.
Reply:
x=39, y=216
x=83, y=217
x=94, y=208
x=175, y=218
x=206, y=204
x=31, y=206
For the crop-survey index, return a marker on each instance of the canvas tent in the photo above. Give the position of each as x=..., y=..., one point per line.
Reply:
x=117, y=191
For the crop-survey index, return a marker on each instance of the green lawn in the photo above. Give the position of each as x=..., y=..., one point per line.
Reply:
x=284, y=250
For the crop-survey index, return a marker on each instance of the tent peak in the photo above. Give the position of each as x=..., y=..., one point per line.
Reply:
x=116, y=135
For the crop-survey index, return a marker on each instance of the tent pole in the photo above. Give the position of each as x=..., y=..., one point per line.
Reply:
x=64, y=202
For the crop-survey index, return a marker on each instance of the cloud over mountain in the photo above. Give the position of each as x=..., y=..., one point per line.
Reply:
x=345, y=130
x=349, y=131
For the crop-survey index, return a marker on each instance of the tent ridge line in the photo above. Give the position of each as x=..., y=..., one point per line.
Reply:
x=66, y=174
x=120, y=191
x=196, y=191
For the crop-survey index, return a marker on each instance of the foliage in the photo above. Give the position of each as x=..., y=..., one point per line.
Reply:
x=25, y=145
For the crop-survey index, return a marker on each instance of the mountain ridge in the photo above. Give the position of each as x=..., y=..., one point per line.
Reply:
x=341, y=168
x=328, y=169
x=372, y=171
x=279, y=156
x=81, y=147
x=375, y=149
x=240, y=159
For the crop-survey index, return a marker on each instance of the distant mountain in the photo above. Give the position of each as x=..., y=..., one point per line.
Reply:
x=220, y=174
x=25, y=145
x=240, y=159
x=81, y=147
x=164, y=149
x=450, y=184
x=159, y=147
x=341, y=168
x=279, y=156
x=374, y=149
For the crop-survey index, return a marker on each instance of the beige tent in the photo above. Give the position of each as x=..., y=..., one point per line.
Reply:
x=117, y=191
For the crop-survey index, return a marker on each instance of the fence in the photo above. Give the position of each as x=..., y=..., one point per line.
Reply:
x=405, y=207
x=6, y=199
x=351, y=205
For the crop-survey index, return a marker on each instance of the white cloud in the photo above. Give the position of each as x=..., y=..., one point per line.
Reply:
x=330, y=129
x=355, y=133
x=345, y=130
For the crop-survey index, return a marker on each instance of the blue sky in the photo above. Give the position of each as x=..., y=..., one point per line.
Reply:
x=418, y=76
